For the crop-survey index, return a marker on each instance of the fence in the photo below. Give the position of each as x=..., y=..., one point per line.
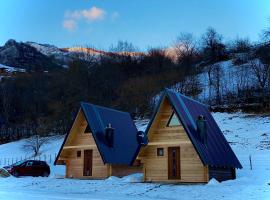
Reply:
x=49, y=158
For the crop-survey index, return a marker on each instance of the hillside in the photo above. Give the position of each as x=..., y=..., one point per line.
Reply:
x=248, y=135
x=46, y=84
x=21, y=55
x=33, y=56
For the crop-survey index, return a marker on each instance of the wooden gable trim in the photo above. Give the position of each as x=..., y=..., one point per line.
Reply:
x=154, y=118
x=94, y=137
x=155, y=115
x=80, y=111
x=185, y=128
x=71, y=127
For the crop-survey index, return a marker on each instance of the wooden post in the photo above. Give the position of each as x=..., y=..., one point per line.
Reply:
x=144, y=173
x=110, y=170
x=206, y=173
x=250, y=162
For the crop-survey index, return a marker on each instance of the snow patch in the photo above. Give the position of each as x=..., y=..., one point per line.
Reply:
x=9, y=69
x=213, y=181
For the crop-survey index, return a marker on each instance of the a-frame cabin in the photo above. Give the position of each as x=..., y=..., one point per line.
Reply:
x=185, y=144
x=101, y=142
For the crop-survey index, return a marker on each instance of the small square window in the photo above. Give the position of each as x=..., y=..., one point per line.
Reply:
x=79, y=154
x=160, y=152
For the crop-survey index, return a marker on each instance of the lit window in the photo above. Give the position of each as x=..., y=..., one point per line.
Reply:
x=160, y=152
x=173, y=121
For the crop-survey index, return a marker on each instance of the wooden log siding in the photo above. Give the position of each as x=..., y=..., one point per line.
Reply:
x=80, y=141
x=161, y=136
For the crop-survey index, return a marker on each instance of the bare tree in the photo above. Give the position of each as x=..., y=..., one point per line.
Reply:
x=217, y=76
x=33, y=144
x=87, y=53
x=186, y=52
x=213, y=51
x=185, y=45
x=123, y=46
x=266, y=34
x=262, y=74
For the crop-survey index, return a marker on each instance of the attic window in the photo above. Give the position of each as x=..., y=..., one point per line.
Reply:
x=87, y=129
x=173, y=121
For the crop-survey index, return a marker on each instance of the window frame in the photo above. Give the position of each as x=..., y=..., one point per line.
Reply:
x=158, y=151
x=168, y=123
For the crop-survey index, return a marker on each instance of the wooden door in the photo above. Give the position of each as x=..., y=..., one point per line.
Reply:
x=87, y=165
x=174, y=171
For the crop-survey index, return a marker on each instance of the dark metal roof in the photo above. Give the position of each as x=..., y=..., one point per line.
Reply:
x=125, y=145
x=216, y=152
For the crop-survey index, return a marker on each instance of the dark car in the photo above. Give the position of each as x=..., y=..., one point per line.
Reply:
x=29, y=168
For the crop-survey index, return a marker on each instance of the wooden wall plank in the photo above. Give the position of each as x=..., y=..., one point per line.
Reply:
x=80, y=141
x=161, y=136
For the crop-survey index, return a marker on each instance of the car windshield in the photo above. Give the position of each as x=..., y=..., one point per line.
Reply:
x=18, y=163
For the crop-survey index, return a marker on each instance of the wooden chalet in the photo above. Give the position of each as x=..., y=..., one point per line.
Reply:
x=185, y=144
x=101, y=142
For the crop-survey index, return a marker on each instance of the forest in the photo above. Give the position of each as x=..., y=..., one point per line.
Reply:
x=44, y=103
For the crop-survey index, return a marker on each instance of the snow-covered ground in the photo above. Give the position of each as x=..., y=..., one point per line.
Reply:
x=249, y=135
x=10, y=69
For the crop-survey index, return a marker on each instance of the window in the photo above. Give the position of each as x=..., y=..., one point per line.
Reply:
x=29, y=164
x=173, y=121
x=79, y=153
x=87, y=129
x=160, y=152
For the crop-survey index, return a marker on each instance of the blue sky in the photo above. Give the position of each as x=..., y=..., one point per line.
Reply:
x=143, y=22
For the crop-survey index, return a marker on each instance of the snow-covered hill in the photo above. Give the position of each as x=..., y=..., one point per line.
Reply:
x=249, y=135
x=10, y=69
x=7, y=71
x=233, y=78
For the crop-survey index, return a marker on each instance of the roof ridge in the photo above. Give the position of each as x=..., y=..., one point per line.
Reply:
x=103, y=107
x=98, y=117
x=189, y=98
x=187, y=111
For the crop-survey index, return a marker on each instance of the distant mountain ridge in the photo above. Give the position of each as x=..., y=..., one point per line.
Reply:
x=46, y=57
x=22, y=55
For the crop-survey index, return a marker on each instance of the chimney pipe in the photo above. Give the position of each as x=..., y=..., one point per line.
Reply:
x=109, y=135
x=201, y=128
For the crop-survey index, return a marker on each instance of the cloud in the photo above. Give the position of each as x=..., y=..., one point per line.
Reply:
x=73, y=18
x=70, y=24
x=92, y=14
